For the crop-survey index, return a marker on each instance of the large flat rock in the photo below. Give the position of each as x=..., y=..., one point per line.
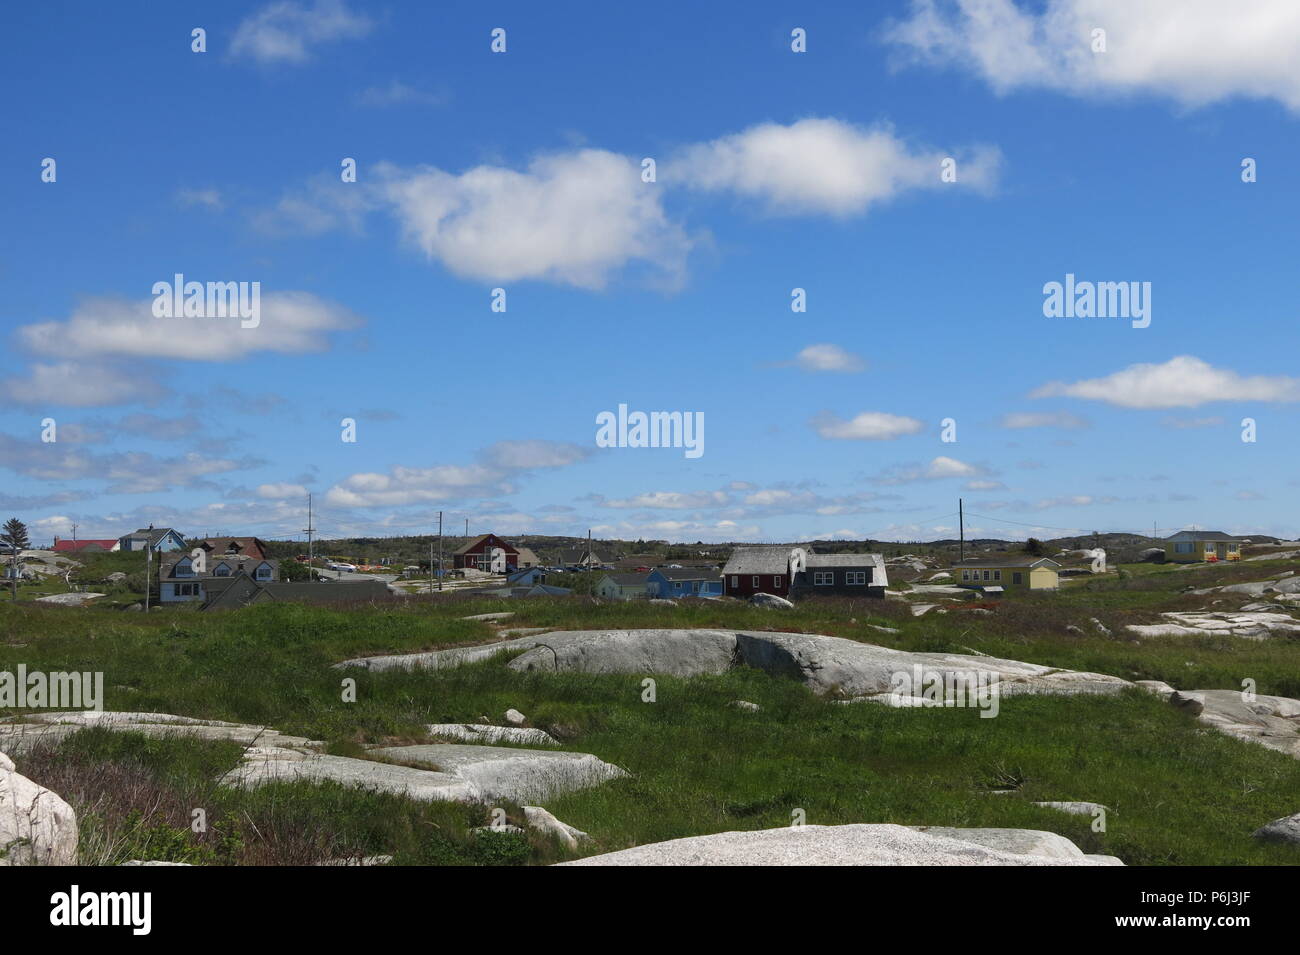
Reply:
x=1272, y=721
x=20, y=734
x=1256, y=625
x=438, y=659
x=437, y=772
x=36, y=826
x=881, y=844
x=681, y=653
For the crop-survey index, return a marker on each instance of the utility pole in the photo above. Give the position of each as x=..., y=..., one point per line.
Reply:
x=74, y=533
x=961, y=524
x=311, y=550
x=148, y=572
x=440, y=550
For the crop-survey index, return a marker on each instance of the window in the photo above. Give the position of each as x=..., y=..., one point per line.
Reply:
x=222, y=571
x=855, y=578
x=677, y=585
x=735, y=581
x=263, y=573
x=757, y=581
x=986, y=575
x=1017, y=578
x=186, y=590
x=997, y=575
x=965, y=575
x=776, y=582
x=183, y=568
x=1183, y=547
x=823, y=578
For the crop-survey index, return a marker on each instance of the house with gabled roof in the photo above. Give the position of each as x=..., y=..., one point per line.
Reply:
x=228, y=546
x=843, y=575
x=157, y=539
x=191, y=577
x=487, y=552
x=63, y=545
x=997, y=573
x=1189, y=547
x=623, y=586
x=671, y=582
x=762, y=569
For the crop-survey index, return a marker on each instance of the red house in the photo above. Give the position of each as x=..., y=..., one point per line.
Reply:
x=477, y=554
x=64, y=545
x=765, y=569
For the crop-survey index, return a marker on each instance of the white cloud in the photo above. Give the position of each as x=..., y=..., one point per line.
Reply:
x=288, y=32
x=291, y=322
x=278, y=492
x=525, y=455
x=1181, y=382
x=1046, y=419
x=76, y=385
x=867, y=426
x=671, y=500
x=207, y=198
x=1193, y=51
x=397, y=93
x=938, y=469
x=494, y=476
x=821, y=166
x=573, y=218
x=1184, y=424
x=829, y=358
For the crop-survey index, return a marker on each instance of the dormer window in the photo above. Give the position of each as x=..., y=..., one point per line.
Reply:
x=222, y=571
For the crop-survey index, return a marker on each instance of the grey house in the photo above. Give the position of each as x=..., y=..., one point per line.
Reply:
x=845, y=575
x=183, y=578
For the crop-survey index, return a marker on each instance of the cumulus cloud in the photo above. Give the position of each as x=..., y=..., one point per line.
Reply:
x=867, y=426
x=1193, y=51
x=291, y=322
x=78, y=385
x=829, y=358
x=573, y=218
x=670, y=500
x=289, y=32
x=131, y=472
x=1181, y=382
x=494, y=475
x=278, y=492
x=938, y=469
x=822, y=166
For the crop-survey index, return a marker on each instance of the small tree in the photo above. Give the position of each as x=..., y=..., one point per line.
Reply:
x=15, y=536
x=1034, y=547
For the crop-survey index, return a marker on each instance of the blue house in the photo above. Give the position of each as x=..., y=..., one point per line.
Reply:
x=157, y=539
x=668, y=582
x=528, y=577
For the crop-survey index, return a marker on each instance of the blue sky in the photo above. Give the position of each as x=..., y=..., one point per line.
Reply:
x=775, y=170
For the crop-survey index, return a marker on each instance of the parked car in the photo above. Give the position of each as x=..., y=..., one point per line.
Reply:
x=343, y=568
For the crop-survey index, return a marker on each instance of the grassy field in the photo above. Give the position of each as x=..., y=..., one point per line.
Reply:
x=1178, y=793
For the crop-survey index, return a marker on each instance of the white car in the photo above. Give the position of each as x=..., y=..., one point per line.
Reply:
x=343, y=568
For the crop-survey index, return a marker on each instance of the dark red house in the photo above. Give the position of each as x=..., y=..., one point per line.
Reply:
x=764, y=569
x=477, y=554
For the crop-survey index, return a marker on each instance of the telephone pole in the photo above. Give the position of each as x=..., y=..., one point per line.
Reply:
x=440, y=550
x=311, y=550
x=961, y=525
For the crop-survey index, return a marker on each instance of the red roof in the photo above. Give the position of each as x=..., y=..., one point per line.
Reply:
x=66, y=545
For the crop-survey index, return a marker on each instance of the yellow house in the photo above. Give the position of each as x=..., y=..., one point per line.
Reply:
x=1189, y=547
x=997, y=573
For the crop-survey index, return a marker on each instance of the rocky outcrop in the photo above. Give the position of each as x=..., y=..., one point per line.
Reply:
x=882, y=844
x=36, y=826
x=489, y=734
x=20, y=734
x=1272, y=721
x=542, y=821
x=771, y=602
x=1285, y=831
x=681, y=653
x=1251, y=626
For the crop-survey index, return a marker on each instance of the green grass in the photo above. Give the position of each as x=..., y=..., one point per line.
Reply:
x=1178, y=793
